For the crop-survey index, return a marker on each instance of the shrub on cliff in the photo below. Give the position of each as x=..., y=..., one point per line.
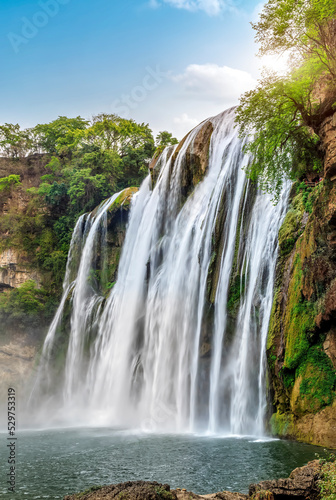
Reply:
x=24, y=305
x=327, y=483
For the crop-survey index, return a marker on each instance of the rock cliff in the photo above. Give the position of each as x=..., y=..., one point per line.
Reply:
x=302, y=336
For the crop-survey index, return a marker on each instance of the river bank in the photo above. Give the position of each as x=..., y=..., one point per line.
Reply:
x=312, y=481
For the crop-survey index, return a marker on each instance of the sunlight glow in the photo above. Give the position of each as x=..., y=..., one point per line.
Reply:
x=279, y=64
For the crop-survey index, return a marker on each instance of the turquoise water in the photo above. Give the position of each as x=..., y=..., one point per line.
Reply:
x=52, y=463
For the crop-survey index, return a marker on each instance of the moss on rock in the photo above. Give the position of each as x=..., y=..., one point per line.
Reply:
x=282, y=424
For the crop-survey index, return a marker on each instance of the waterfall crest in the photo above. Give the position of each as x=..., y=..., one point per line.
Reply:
x=179, y=343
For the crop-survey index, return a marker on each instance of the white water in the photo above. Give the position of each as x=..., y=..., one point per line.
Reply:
x=144, y=368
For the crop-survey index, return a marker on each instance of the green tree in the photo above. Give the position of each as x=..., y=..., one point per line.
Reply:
x=282, y=116
x=86, y=162
x=126, y=146
x=303, y=28
x=14, y=142
x=61, y=136
x=23, y=304
x=165, y=139
x=6, y=183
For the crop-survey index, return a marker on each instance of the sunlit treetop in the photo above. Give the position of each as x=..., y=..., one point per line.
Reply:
x=282, y=116
x=302, y=27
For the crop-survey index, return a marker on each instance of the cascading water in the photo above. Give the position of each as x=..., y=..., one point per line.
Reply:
x=87, y=238
x=179, y=344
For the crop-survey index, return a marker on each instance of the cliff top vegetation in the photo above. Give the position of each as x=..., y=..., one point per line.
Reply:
x=283, y=115
x=53, y=173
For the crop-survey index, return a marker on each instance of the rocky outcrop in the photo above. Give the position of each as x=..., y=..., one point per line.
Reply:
x=327, y=134
x=196, y=158
x=329, y=345
x=30, y=170
x=301, y=484
x=319, y=428
x=117, y=219
x=132, y=490
x=144, y=490
x=194, y=162
x=14, y=271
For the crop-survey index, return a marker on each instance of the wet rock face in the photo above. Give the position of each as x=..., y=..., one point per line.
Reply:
x=328, y=137
x=196, y=160
x=18, y=351
x=301, y=484
x=329, y=346
x=319, y=428
x=14, y=272
x=301, y=342
x=117, y=219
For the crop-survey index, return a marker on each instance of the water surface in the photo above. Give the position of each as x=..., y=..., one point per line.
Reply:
x=52, y=463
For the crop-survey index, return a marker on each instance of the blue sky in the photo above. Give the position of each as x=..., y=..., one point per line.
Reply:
x=169, y=63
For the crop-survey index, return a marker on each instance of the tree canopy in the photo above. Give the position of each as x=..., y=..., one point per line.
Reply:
x=282, y=115
x=84, y=162
x=305, y=28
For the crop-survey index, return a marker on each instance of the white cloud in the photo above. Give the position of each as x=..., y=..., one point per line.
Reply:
x=217, y=84
x=185, y=119
x=183, y=124
x=211, y=7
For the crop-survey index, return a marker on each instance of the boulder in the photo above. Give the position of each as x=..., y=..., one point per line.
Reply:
x=301, y=484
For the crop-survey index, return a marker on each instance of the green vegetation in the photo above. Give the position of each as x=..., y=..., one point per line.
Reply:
x=25, y=305
x=164, y=139
x=292, y=225
x=318, y=379
x=89, y=490
x=6, y=186
x=309, y=194
x=84, y=163
x=302, y=325
x=6, y=183
x=14, y=141
x=235, y=292
x=327, y=483
x=281, y=424
x=283, y=114
x=163, y=493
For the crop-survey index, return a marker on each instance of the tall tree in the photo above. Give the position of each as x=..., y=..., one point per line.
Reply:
x=282, y=116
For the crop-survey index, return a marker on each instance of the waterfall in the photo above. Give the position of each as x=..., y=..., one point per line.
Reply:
x=179, y=344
